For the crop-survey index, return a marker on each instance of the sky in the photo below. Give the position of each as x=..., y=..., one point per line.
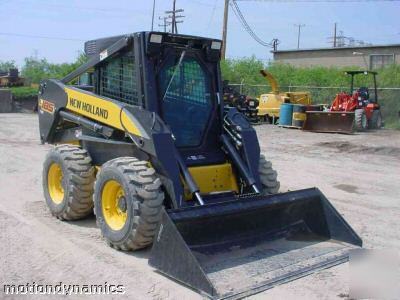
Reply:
x=57, y=29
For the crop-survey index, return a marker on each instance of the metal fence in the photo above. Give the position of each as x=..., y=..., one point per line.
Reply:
x=388, y=98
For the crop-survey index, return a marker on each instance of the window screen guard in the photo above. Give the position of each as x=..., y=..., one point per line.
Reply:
x=118, y=79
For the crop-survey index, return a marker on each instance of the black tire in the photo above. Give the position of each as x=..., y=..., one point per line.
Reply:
x=75, y=200
x=268, y=177
x=143, y=199
x=272, y=120
x=360, y=120
x=376, y=120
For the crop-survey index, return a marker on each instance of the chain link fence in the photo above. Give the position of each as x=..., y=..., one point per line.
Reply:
x=388, y=98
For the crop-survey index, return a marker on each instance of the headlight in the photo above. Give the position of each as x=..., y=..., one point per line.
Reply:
x=156, y=38
x=216, y=45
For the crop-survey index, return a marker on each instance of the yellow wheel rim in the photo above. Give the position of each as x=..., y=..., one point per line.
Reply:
x=54, y=183
x=114, y=205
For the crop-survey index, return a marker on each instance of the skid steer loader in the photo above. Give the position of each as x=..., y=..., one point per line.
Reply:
x=146, y=144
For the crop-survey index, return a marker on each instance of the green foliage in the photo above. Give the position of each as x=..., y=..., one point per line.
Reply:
x=311, y=79
x=6, y=65
x=248, y=71
x=244, y=69
x=23, y=92
x=389, y=76
x=39, y=69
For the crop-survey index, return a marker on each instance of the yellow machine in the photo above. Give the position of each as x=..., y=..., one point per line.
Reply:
x=148, y=146
x=269, y=106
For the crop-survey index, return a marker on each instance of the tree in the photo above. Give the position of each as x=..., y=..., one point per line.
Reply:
x=243, y=69
x=39, y=69
x=6, y=65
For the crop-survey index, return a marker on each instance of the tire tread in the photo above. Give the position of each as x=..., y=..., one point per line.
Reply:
x=147, y=209
x=81, y=174
x=268, y=177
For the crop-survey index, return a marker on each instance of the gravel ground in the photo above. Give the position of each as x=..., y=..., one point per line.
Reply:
x=358, y=173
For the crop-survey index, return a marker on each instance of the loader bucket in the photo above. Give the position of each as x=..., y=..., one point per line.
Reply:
x=241, y=247
x=331, y=122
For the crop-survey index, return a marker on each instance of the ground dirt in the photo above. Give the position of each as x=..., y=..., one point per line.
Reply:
x=358, y=173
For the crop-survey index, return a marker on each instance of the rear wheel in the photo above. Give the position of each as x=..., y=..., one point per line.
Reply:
x=268, y=177
x=360, y=120
x=68, y=177
x=127, y=203
x=376, y=120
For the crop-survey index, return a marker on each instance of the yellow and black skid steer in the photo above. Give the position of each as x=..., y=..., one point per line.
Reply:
x=142, y=138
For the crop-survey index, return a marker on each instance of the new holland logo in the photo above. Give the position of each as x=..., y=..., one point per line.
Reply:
x=46, y=106
x=87, y=107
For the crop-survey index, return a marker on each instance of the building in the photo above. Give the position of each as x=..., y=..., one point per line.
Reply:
x=370, y=57
x=10, y=78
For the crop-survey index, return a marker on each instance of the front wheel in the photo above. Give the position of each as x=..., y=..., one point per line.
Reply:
x=127, y=203
x=360, y=120
x=268, y=177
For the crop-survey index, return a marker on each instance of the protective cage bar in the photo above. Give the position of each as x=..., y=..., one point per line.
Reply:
x=241, y=247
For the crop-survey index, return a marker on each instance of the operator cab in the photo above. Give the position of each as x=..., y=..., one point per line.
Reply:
x=363, y=95
x=186, y=97
x=175, y=76
x=189, y=92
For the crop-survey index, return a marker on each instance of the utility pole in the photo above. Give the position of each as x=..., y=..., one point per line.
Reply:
x=174, y=17
x=275, y=43
x=152, y=17
x=298, y=34
x=164, y=24
x=225, y=29
x=334, y=35
x=174, y=27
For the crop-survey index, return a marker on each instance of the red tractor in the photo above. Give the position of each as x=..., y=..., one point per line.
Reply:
x=358, y=110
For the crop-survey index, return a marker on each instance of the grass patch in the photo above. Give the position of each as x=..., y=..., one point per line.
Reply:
x=23, y=92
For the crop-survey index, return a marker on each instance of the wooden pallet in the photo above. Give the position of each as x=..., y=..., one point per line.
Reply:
x=289, y=126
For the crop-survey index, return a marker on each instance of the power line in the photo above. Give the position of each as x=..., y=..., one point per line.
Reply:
x=40, y=37
x=212, y=14
x=91, y=8
x=342, y=1
x=246, y=25
x=201, y=3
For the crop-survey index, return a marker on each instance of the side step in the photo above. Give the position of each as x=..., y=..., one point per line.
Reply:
x=241, y=247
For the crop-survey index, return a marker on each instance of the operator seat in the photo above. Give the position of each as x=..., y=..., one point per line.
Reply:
x=363, y=92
